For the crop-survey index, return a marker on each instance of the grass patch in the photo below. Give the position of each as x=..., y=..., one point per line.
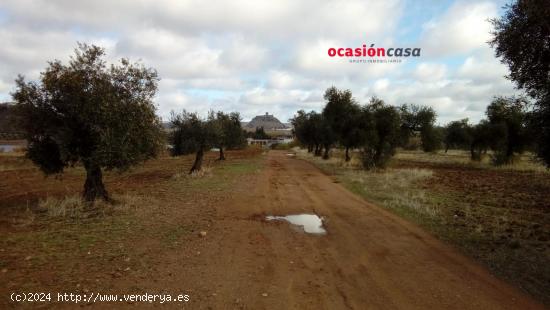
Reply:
x=73, y=207
x=172, y=236
x=241, y=167
x=218, y=177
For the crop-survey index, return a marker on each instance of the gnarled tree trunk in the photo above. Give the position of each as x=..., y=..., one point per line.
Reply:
x=473, y=154
x=197, y=165
x=93, y=187
x=222, y=155
x=318, y=150
x=327, y=150
x=348, y=158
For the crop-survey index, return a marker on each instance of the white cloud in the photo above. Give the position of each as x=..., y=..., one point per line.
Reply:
x=288, y=19
x=430, y=72
x=258, y=56
x=482, y=67
x=463, y=28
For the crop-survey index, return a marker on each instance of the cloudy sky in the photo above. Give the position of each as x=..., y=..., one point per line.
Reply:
x=270, y=56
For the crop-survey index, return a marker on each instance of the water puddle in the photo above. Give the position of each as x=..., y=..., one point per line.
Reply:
x=309, y=223
x=7, y=147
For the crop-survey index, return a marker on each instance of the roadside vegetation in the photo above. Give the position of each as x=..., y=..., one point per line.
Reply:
x=499, y=216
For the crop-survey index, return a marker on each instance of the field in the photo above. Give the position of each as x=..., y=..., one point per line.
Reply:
x=52, y=242
x=499, y=216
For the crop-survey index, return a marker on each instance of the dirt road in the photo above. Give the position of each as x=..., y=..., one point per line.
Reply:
x=370, y=259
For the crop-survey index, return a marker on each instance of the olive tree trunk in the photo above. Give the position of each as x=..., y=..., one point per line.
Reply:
x=222, y=155
x=327, y=150
x=93, y=187
x=318, y=150
x=474, y=155
x=348, y=158
x=197, y=165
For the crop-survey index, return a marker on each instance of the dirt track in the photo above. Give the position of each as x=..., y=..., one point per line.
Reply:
x=370, y=259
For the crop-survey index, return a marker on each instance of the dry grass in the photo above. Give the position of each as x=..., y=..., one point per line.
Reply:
x=391, y=188
x=74, y=207
x=395, y=188
x=524, y=162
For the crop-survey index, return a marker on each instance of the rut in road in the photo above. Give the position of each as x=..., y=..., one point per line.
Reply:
x=369, y=259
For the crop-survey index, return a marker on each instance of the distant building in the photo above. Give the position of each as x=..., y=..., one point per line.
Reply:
x=268, y=122
x=279, y=132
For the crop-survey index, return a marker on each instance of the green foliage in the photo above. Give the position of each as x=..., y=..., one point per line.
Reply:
x=375, y=128
x=505, y=131
x=521, y=39
x=508, y=117
x=228, y=129
x=382, y=132
x=343, y=116
x=458, y=134
x=539, y=129
x=190, y=133
x=86, y=111
x=312, y=131
x=419, y=119
x=304, y=128
x=482, y=137
x=431, y=138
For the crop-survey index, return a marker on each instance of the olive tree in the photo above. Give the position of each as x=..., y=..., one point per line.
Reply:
x=323, y=137
x=229, y=133
x=302, y=130
x=306, y=130
x=521, y=39
x=457, y=135
x=91, y=113
x=382, y=124
x=481, y=138
x=192, y=135
x=354, y=131
x=415, y=118
x=341, y=114
x=507, y=115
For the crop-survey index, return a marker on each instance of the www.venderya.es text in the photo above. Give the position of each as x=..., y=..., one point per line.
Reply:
x=94, y=297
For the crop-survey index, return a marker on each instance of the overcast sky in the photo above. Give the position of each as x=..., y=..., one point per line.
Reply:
x=257, y=56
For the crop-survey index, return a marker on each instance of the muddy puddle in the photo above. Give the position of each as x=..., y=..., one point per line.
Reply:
x=7, y=148
x=309, y=223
